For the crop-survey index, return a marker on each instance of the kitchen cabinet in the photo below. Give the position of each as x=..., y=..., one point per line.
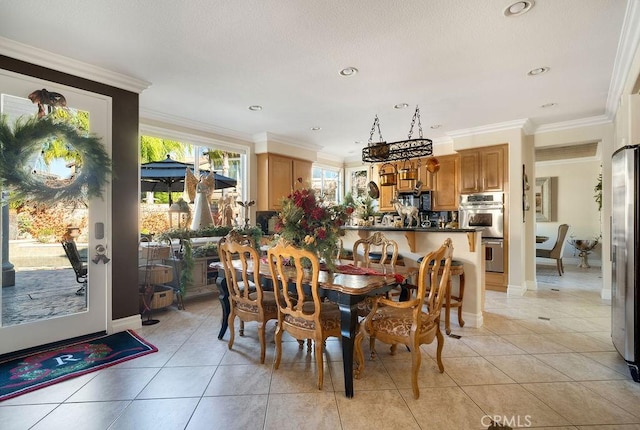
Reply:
x=424, y=176
x=278, y=176
x=387, y=194
x=483, y=169
x=445, y=196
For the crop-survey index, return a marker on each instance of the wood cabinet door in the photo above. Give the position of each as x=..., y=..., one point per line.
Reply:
x=425, y=176
x=445, y=196
x=492, y=171
x=384, y=200
x=280, y=180
x=469, y=171
x=302, y=170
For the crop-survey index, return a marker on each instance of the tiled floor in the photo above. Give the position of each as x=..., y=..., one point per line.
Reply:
x=542, y=361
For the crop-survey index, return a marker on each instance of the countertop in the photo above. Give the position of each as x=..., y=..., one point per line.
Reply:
x=417, y=229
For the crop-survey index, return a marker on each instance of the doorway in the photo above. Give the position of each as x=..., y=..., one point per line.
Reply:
x=42, y=299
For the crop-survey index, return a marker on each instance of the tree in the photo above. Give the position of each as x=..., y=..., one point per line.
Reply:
x=156, y=149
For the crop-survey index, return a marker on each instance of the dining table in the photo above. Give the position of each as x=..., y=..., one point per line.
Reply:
x=346, y=289
x=541, y=239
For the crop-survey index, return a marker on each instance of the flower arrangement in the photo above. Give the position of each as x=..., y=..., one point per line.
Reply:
x=306, y=222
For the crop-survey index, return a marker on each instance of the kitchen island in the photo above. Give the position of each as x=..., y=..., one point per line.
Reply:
x=416, y=242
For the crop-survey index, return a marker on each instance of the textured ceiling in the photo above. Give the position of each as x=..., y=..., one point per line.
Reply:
x=463, y=62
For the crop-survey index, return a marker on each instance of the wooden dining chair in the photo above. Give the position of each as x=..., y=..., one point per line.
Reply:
x=301, y=311
x=384, y=251
x=407, y=322
x=377, y=242
x=248, y=300
x=555, y=253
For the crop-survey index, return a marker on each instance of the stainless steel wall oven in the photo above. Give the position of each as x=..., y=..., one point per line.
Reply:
x=485, y=211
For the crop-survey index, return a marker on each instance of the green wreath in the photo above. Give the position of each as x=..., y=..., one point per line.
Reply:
x=26, y=138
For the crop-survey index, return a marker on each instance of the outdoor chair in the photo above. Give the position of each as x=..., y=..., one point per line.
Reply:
x=79, y=267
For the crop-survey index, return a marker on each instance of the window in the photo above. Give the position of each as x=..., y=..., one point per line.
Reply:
x=327, y=181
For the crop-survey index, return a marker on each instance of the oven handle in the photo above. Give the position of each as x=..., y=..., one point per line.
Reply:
x=494, y=242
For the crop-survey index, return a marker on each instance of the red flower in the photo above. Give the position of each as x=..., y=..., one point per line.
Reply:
x=321, y=233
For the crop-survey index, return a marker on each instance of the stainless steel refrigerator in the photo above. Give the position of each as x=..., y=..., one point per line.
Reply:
x=625, y=252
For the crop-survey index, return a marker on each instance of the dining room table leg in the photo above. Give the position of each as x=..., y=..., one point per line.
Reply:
x=223, y=296
x=348, y=328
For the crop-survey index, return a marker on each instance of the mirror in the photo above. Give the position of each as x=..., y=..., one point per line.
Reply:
x=543, y=199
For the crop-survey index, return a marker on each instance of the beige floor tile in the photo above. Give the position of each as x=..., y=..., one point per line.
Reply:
x=625, y=394
x=198, y=354
x=578, y=367
x=115, y=384
x=239, y=380
x=96, y=415
x=536, y=343
x=444, y=408
x=374, y=377
x=491, y=345
x=525, y=368
x=428, y=376
x=381, y=409
x=314, y=410
x=611, y=427
x=539, y=326
x=23, y=416
x=611, y=359
x=452, y=348
x=515, y=405
x=578, y=404
x=474, y=371
x=299, y=378
x=229, y=413
x=178, y=382
x=156, y=414
x=503, y=327
x=580, y=342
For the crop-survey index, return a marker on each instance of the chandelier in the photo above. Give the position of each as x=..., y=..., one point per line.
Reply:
x=382, y=151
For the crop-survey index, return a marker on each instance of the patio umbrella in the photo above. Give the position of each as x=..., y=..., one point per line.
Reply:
x=168, y=176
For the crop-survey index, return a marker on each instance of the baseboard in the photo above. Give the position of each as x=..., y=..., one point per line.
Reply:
x=129, y=323
x=516, y=290
x=531, y=285
x=470, y=320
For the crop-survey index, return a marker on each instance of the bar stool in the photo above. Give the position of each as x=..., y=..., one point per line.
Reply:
x=451, y=301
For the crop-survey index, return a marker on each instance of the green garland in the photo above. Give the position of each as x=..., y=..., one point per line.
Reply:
x=26, y=138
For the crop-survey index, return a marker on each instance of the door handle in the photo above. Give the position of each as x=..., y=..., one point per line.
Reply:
x=101, y=255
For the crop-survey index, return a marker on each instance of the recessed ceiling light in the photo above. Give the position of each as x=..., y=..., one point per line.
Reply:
x=357, y=142
x=549, y=105
x=538, y=71
x=315, y=128
x=518, y=8
x=401, y=106
x=348, y=71
x=255, y=107
x=436, y=126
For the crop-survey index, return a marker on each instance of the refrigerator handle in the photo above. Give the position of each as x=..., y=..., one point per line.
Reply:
x=611, y=252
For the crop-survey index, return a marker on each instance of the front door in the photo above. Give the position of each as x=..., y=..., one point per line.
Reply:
x=43, y=298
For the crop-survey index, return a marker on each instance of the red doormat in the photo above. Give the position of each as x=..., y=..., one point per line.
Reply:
x=31, y=372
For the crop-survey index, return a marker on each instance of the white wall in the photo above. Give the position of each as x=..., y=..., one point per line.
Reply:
x=573, y=201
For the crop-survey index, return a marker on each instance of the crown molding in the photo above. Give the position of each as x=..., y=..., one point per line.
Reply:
x=521, y=124
x=627, y=46
x=575, y=123
x=151, y=115
x=40, y=57
x=265, y=137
